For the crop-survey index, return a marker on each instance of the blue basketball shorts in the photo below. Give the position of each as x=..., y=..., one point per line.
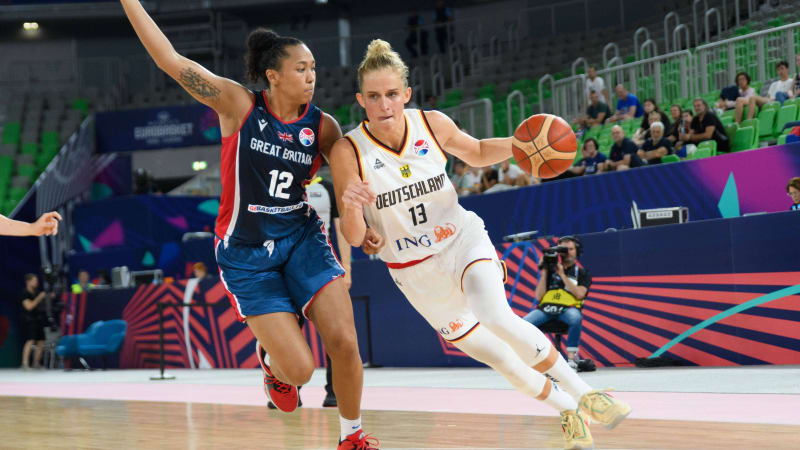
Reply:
x=283, y=275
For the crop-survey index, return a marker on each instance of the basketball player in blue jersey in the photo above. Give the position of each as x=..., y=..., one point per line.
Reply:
x=390, y=172
x=274, y=257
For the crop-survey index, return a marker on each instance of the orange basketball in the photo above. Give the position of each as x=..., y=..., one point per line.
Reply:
x=544, y=145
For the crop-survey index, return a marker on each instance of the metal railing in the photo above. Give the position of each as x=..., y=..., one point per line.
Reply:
x=474, y=116
x=661, y=77
x=671, y=15
x=521, y=97
x=755, y=53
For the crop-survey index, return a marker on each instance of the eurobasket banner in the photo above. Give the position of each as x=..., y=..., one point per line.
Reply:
x=156, y=128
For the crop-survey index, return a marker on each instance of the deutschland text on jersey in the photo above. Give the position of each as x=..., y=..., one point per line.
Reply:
x=264, y=166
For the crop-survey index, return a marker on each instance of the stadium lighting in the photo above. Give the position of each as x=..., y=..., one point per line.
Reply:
x=30, y=26
x=197, y=166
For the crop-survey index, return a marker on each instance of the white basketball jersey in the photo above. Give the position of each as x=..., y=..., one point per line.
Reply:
x=417, y=209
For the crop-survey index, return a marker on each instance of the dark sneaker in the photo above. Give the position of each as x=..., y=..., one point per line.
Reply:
x=281, y=395
x=330, y=401
x=358, y=441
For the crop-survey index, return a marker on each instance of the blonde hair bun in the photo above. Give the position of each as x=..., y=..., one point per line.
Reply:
x=380, y=56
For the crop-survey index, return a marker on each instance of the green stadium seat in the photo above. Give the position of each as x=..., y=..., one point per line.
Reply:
x=81, y=104
x=782, y=139
x=11, y=131
x=710, y=144
x=787, y=113
x=704, y=152
x=743, y=139
x=594, y=131
x=670, y=159
x=28, y=170
x=730, y=130
x=341, y=113
x=30, y=148
x=753, y=123
x=487, y=91
x=766, y=121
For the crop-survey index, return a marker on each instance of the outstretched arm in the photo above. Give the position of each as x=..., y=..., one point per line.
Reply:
x=351, y=192
x=229, y=99
x=46, y=225
x=475, y=152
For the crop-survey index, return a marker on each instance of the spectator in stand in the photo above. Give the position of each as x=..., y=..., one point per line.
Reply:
x=623, y=154
x=793, y=189
x=488, y=179
x=472, y=181
x=679, y=128
x=596, y=113
x=779, y=91
x=675, y=113
x=628, y=106
x=416, y=35
x=459, y=177
x=200, y=271
x=101, y=278
x=443, y=16
x=83, y=284
x=512, y=175
x=796, y=84
x=745, y=92
x=595, y=84
x=592, y=162
x=706, y=126
x=651, y=114
x=656, y=146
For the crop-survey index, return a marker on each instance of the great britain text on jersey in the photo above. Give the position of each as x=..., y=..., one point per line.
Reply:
x=280, y=152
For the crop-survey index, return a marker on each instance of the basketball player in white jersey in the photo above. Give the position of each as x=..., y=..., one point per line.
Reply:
x=390, y=173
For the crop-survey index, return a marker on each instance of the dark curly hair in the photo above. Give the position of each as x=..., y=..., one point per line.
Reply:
x=265, y=50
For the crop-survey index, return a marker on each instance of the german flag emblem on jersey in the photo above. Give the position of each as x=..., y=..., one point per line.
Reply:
x=405, y=171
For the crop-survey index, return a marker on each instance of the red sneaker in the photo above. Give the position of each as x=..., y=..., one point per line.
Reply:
x=283, y=396
x=359, y=441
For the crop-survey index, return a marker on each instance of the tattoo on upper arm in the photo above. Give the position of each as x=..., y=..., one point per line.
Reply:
x=196, y=84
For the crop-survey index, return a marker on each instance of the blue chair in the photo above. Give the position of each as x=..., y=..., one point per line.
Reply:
x=102, y=338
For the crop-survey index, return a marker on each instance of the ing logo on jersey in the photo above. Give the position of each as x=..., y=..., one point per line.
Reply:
x=421, y=147
x=405, y=171
x=306, y=137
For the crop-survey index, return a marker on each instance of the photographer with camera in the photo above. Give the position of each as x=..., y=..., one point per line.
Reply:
x=561, y=292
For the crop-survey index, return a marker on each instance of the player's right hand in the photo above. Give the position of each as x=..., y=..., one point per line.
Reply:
x=47, y=224
x=373, y=242
x=358, y=194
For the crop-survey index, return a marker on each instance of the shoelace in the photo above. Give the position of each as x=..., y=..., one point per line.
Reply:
x=365, y=442
x=277, y=385
x=569, y=425
x=599, y=395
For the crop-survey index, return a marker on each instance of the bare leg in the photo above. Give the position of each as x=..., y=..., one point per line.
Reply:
x=332, y=313
x=26, y=354
x=37, y=354
x=737, y=115
x=289, y=356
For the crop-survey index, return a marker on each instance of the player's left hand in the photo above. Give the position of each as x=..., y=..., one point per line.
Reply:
x=373, y=242
x=47, y=224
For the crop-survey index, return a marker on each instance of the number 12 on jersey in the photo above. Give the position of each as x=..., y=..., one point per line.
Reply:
x=276, y=189
x=418, y=214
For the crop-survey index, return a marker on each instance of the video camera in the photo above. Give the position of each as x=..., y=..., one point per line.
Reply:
x=550, y=258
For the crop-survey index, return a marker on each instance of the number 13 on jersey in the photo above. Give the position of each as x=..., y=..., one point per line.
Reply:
x=418, y=215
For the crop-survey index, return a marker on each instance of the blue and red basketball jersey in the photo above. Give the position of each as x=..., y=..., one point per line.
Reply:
x=265, y=166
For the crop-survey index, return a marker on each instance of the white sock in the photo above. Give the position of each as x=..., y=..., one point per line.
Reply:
x=348, y=426
x=560, y=400
x=567, y=378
